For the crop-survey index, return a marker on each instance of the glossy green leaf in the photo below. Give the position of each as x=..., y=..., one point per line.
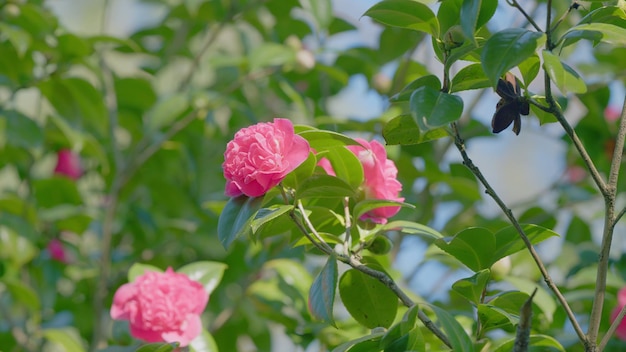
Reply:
x=265, y=215
x=595, y=32
x=324, y=140
x=365, y=343
x=405, y=335
x=492, y=317
x=405, y=14
x=565, y=78
x=295, y=178
x=538, y=343
x=166, y=111
x=457, y=336
x=367, y=205
x=469, y=77
x=473, y=287
x=508, y=240
x=203, y=343
x=529, y=69
x=22, y=294
x=507, y=49
x=412, y=228
x=68, y=339
x=368, y=301
x=322, y=293
x=543, y=116
x=208, y=273
x=473, y=247
x=51, y=192
x=402, y=130
x=236, y=217
x=469, y=16
x=346, y=166
x=431, y=81
x=432, y=109
x=139, y=269
x=325, y=186
x=543, y=299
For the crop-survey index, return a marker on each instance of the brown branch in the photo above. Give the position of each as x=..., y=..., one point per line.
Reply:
x=460, y=144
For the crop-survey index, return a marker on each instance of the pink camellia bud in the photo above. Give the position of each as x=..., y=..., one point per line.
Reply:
x=68, y=164
x=260, y=156
x=57, y=251
x=380, y=178
x=621, y=302
x=161, y=307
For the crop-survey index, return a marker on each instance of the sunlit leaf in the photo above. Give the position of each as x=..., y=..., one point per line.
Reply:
x=565, y=78
x=405, y=14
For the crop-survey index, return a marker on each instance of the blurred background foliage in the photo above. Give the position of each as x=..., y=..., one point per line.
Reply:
x=149, y=111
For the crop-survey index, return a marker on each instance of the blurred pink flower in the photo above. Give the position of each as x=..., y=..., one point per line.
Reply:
x=68, y=164
x=161, y=307
x=621, y=302
x=380, y=178
x=611, y=113
x=57, y=251
x=260, y=156
x=575, y=174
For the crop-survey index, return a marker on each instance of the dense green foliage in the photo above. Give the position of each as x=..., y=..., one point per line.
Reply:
x=150, y=116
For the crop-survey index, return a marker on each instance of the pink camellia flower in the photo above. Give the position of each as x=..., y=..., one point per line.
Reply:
x=57, y=251
x=621, y=302
x=161, y=307
x=260, y=156
x=68, y=164
x=380, y=178
x=611, y=113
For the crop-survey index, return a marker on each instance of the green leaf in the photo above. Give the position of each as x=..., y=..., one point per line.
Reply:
x=401, y=130
x=529, y=68
x=459, y=339
x=16, y=248
x=538, y=343
x=236, y=217
x=432, y=109
x=492, y=317
x=295, y=178
x=23, y=131
x=22, y=294
x=596, y=32
x=271, y=54
x=473, y=287
x=365, y=343
x=321, y=10
x=507, y=49
x=431, y=81
x=326, y=140
x=543, y=116
x=66, y=338
x=158, y=347
x=265, y=215
x=325, y=186
x=166, y=111
x=469, y=77
x=51, y=192
x=346, y=165
x=322, y=293
x=405, y=14
x=139, y=269
x=543, y=299
x=473, y=247
x=203, y=343
x=412, y=228
x=366, y=205
x=508, y=240
x=208, y=273
x=78, y=101
x=368, y=301
x=565, y=78
x=469, y=16
x=19, y=38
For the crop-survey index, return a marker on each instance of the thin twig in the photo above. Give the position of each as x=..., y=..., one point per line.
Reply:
x=460, y=144
x=616, y=323
x=530, y=20
x=355, y=263
x=607, y=236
